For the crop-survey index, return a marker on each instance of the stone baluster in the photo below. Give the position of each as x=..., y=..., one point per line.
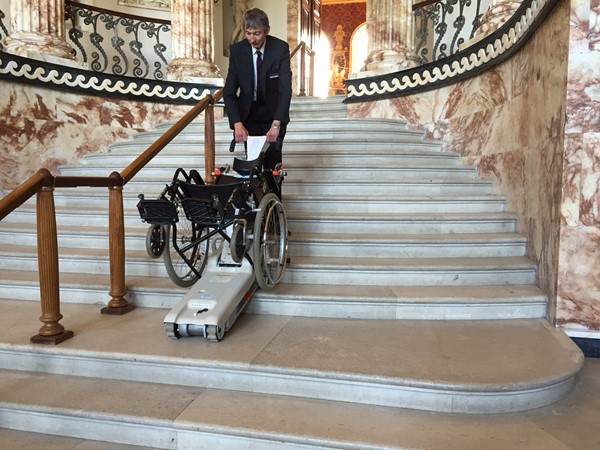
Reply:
x=38, y=30
x=390, y=36
x=192, y=41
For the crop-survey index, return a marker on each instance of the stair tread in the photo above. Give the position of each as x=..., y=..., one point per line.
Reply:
x=366, y=238
x=454, y=355
x=355, y=293
x=287, y=421
x=382, y=238
x=482, y=263
x=511, y=262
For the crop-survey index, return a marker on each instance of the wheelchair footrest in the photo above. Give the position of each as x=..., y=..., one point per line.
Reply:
x=157, y=212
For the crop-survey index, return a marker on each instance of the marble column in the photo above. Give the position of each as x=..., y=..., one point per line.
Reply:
x=497, y=14
x=390, y=35
x=38, y=30
x=192, y=41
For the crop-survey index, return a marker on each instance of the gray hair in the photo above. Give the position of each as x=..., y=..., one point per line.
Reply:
x=256, y=19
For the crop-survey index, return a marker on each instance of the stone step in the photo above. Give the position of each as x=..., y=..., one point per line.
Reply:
x=270, y=422
x=374, y=223
x=317, y=178
x=307, y=244
x=358, y=203
x=369, y=362
x=411, y=271
x=407, y=246
x=131, y=150
x=316, y=127
x=318, y=222
x=318, y=270
x=335, y=162
x=311, y=300
x=367, y=204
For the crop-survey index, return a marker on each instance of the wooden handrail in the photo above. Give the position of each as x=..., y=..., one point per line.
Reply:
x=21, y=194
x=306, y=50
x=43, y=183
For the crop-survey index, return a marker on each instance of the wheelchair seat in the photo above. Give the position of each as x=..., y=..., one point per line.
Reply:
x=207, y=205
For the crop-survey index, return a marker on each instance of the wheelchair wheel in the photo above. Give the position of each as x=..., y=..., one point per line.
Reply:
x=269, y=246
x=179, y=263
x=156, y=238
x=238, y=243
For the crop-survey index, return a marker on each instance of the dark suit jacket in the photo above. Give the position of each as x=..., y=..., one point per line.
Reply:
x=276, y=78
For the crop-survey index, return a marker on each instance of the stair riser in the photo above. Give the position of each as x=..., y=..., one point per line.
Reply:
x=300, y=132
x=317, y=248
x=292, y=384
x=376, y=206
x=423, y=309
x=386, y=190
x=421, y=276
x=149, y=267
x=318, y=177
x=417, y=277
x=92, y=220
x=427, y=310
x=96, y=241
x=317, y=204
x=399, y=227
x=100, y=295
x=320, y=165
x=414, y=250
x=135, y=149
x=333, y=226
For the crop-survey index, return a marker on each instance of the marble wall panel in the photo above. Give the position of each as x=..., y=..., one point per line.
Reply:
x=45, y=128
x=509, y=122
x=579, y=271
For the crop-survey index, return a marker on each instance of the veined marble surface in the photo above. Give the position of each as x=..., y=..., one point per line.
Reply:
x=579, y=267
x=532, y=125
x=47, y=128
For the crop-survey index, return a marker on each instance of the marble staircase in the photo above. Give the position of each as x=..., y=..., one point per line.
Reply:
x=409, y=287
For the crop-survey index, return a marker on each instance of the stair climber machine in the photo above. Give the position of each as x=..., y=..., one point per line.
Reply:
x=224, y=240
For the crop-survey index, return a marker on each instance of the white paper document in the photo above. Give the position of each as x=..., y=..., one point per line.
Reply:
x=255, y=145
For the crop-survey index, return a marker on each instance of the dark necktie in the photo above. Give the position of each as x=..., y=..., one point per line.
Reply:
x=259, y=91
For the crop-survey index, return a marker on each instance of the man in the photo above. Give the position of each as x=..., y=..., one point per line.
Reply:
x=258, y=88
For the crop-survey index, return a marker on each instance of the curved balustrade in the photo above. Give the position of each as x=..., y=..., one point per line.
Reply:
x=473, y=60
x=442, y=27
x=91, y=29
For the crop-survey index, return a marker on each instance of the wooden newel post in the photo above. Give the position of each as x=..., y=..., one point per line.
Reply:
x=52, y=332
x=209, y=143
x=116, y=247
x=302, y=92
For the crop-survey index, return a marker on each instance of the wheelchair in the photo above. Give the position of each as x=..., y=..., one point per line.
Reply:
x=242, y=209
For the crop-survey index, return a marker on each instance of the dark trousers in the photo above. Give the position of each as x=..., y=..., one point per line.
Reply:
x=258, y=123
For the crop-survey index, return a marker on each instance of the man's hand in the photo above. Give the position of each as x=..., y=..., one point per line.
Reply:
x=240, y=132
x=272, y=134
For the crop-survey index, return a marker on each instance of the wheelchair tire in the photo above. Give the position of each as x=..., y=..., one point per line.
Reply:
x=178, y=269
x=270, y=242
x=156, y=238
x=238, y=243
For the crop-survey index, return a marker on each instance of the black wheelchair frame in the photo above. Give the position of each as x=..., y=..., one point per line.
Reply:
x=189, y=212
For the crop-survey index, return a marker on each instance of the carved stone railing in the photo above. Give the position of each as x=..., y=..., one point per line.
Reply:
x=442, y=26
x=117, y=43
